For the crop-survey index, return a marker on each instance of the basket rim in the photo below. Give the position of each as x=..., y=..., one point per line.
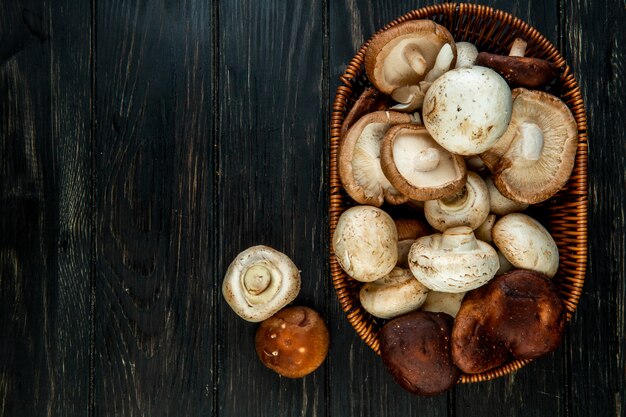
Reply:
x=576, y=188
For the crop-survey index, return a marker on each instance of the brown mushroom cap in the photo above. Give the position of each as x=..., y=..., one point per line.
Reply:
x=419, y=167
x=415, y=348
x=293, y=342
x=369, y=101
x=518, y=314
x=359, y=159
x=535, y=156
x=403, y=54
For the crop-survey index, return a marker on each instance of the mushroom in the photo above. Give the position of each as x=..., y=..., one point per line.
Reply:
x=518, y=314
x=505, y=265
x=359, y=159
x=259, y=282
x=466, y=110
x=534, y=158
x=499, y=204
x=474, y=163
x=369, y=101
x=415, y=349
x=443, y=302
x=526, y=243
x=518, y=69
x=469, y=207
x=365, y=243
x=483, y=232
x=466, y=54
x=293, y=342
x=408, y=231
x=453, y=261
x=393, y=295
x=403, y=54
x=417, y=166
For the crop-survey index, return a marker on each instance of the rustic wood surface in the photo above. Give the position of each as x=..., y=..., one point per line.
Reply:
x=144, y=144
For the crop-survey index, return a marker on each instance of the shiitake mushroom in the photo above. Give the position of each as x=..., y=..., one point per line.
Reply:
x=518, y=314
x=415, y=349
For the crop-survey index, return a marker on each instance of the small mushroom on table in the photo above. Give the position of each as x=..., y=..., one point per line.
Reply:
x=419, y=167
x=259, y=282
x=454, y=261
x=359, y=159
x=294, y=342
x=535, y=156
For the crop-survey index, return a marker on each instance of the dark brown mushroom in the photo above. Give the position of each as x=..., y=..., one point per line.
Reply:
x=415, y=348
x=518, y=314
x=519, y=70
x=293, y=342
x=369, y=101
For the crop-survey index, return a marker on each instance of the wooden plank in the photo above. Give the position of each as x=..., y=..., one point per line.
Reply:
x=271, y=184
x=45, y=208
x=594, y=32
x=154, y=161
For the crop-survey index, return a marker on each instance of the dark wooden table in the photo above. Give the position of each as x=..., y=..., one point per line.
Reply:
x=143, y=144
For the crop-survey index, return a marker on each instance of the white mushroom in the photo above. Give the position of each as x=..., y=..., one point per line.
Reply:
x=466, y=54
x=393, y=295
x=469, y=207
x=483, y=232
x=259, y=282
x=499, y=204
x=445, y=302
x=365, y=243
x=526, y=244
x=466, y=110
x=453, y=261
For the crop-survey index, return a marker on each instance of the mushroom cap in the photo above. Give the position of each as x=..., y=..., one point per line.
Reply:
x=369, y=101
x=393, y=295
x=359, y=159
x=499, y=204
x=483, y=232
x=408, y=231
x=294, y=342
x=466, y=54
x=453, y=261
x=469, y=207
x=259, y=282
x=394, y=55
x=526, y=243
x=518, y=70
x=535, y=156
x=517, y=314
x=365, y=243
x=443, y=302
x=466, y=110
x=415, y=349
x=419, y=167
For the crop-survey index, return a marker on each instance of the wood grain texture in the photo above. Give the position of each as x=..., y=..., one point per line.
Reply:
x=153, y=318
x=595, y=40
x=271, y=183
x=45, y=149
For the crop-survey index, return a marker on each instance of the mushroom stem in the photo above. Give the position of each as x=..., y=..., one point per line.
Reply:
x=415, y=58
x=256, y=279
x=442, y=64
x=459, y=239
x=426, y=160
x=518, y=48
x=531, y=143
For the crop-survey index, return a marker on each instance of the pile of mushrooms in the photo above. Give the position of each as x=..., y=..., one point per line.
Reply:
x=467, y=141
x=259, y=283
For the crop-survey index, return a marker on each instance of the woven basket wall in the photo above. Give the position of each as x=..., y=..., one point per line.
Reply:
x=564, y=215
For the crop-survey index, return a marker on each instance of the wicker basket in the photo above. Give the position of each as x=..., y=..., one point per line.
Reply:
x=564, y=215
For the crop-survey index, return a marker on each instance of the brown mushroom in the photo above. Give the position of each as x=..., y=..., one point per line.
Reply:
x=369, y=101
x=415, y=348
x=359, y=159
x=419, y=167
x=293, y=342
x=518, y=314
x=535, y=156
x=403, y=54
x=520, y=70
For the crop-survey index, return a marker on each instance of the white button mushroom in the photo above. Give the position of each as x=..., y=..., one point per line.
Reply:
x=466, y=54
x=393, y=295
x=483, y=232
x=466, y=110
x=365, y=243
x=470, y=207
x=499, y=204
x=526, y=243
x=259, y=282
x=443, y=302
x=453, y=261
